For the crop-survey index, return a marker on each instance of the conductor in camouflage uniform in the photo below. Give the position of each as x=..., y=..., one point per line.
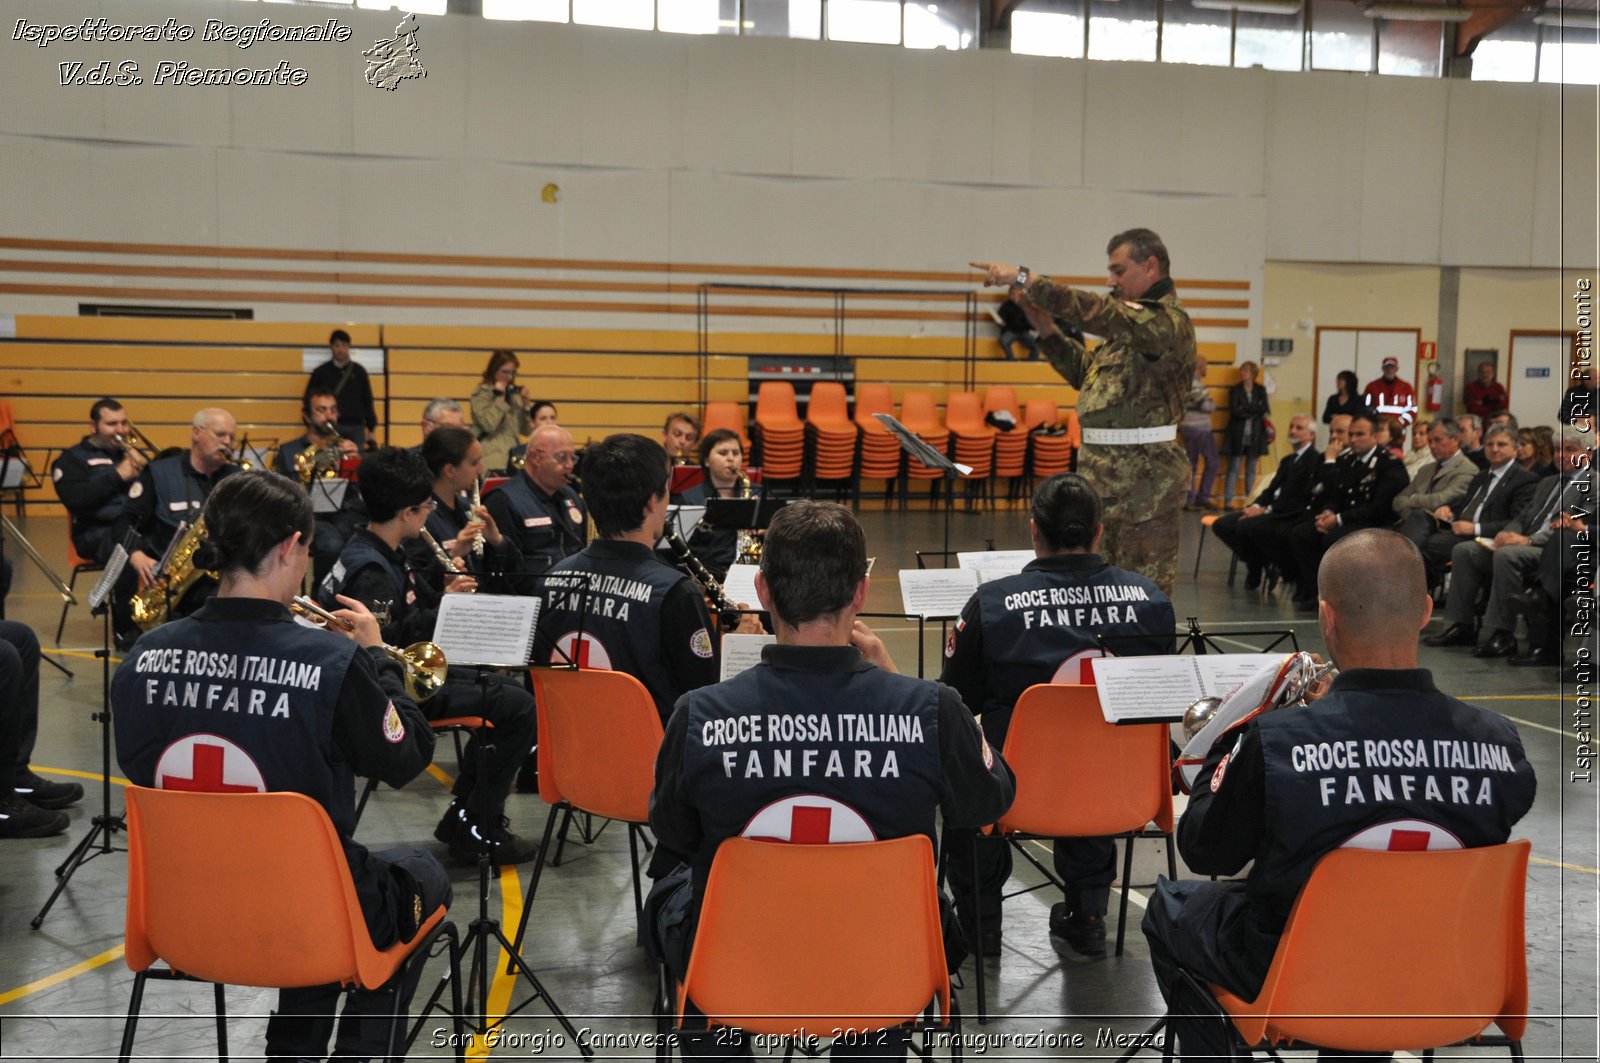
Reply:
x=1131, y=392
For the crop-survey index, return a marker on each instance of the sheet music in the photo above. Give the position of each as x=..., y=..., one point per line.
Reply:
x=937, y=593
x=994, y=564
x=742, y=651
x=327, y=496
x=486, y=629
x=108, y=578
x=1159, y=689
x=740, y=585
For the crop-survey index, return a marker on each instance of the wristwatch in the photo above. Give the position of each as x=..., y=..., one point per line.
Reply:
x=1022, y=278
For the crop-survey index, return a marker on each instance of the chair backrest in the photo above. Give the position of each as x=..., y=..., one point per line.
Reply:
x=1002, y=397
x=1080, y=776
x=8, y=426
x=815, y=938
x=828, y=402
x=1041, y=411
x=775, y=402
x=871, y=399
x=242, y=888
x=963, y=412
x=729, y=415
x=918, y=408
x=1401, y=950
x=599, y=733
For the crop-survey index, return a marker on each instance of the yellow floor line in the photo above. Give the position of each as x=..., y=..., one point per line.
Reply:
x=501, y=987
x=94, y=775
x=442, y=775
x=61, y=976
x=81, y=654
x=1536, y=726
x=1568, y=867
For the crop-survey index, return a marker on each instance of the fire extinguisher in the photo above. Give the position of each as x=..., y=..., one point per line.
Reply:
x=1435, y=396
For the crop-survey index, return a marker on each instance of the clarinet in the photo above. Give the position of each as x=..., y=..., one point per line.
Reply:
x=727, y=611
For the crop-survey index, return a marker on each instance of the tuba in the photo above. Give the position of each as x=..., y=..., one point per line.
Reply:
x=1283, y=684
x=424, y=662
x=153, y=605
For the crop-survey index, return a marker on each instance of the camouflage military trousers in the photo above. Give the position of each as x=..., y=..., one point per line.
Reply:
x=1143, y=488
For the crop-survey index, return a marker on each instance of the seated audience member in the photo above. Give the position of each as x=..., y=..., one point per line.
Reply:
x=1501, y=570
x=1347, y=398
x=1535, y=451
x=1505, y=417
x=441, y=413
x=1471, y=429
x=1199, y=440
x=314, y=457
x=999, y=649
x=1015, y=328
x=1494, y=496
x=30, y=806
x=1259, y=534
x=398, y=490
x=1389, y=396
x=722, y=455
x=1441, y=483
x=1374, y=603
x=1354, y=491
x=347, y=381
x=358, y=719
x=1419, y=454
x=1566, y=568
x=637, y=615
x=681, y=435
x=826, y=666
x=1485, y=396
x=1392, y=437
x=539, y=508
x=500, y=410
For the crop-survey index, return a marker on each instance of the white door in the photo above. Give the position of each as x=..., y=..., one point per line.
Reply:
x=1536, y=377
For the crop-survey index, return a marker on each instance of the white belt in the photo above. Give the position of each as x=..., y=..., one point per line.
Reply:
x=1125, y=437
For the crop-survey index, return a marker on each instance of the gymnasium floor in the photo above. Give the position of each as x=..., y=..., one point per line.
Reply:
x=64, y=987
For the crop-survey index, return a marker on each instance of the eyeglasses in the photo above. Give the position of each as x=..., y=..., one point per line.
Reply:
x=565, y=457
x=427, y=507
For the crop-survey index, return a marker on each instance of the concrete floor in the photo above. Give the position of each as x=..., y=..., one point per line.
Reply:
x=64, y=987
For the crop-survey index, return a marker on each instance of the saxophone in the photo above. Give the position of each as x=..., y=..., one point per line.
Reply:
x=747, y=546
x=153, y=605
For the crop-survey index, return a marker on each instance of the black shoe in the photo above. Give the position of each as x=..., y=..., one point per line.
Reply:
x=451, y=823
x=1500, y=644
x=503, y=846
x=1537, y=657
x=47, y=794
x=1454, y=635
x=988, y=946
x=1086, y=934
x=1252, y=578
x=528, y=775
x=24, y=819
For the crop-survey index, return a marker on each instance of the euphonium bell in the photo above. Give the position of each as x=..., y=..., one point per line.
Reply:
x=1198, y=714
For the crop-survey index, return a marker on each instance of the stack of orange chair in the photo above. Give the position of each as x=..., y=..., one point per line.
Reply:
x=1051, y=454
x=780, y=434
x=729, y=415
x=1010, y=448
x=974, y=438
x=921, y=416
x=833, y=434
x=880, y=450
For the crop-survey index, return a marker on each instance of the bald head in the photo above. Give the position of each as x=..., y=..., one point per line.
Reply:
x=1374, y=594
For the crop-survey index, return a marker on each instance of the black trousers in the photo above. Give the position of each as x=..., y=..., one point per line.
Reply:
x=485, y=776
x=300, y=1028
x=19, y=699
x=1258, y=540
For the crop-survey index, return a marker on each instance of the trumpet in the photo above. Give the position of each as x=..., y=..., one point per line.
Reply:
x=477, y=500
x=442, y=555
x=424, y=662
x=1284, y=684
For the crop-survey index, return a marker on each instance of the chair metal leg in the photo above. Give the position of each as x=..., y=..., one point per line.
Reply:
x=222, y=1023
x=1172, y=856
x=1127, y=884
x=72, y=585
x=533, y=878
x=977, y=929
x=633, y=854
x=132, y=1021
x=1199, y=551
x=361, y=805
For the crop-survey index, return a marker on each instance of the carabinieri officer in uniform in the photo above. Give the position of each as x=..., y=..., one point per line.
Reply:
x=239, y=697
x=1041, y=626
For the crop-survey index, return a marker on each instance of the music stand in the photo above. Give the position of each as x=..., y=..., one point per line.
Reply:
x=105, y=825
x=742, y=514
x=914, y=447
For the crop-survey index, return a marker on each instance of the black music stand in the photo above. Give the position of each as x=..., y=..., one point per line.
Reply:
x=914, y=447
x=104, y=826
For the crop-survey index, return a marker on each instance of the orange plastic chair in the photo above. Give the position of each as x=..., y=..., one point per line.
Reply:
x=1078, y=776
x=454, y=726
x=253, y=889
x=599, y=733
x=1010, y=448
x=1439, y=959
x=1050, y=454
x=729, y=415
x=919, y=414
x=880, y=451
x=810, y=940
x=78, y=565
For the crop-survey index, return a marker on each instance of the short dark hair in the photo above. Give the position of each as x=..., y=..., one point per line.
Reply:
x=1067, y=511
x=1142, y=243
x=393, y=479
x=248, y=515
x=681, y=416
x=107, y=403
x=814, y=557
x=305, y=403
x=715, y=438
x=539, y=404
x=446, y=445
x=1367, y=416
x=336, y=335
x=621, y=474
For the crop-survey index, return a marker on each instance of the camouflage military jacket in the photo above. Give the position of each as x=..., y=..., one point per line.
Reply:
x=1138, y=378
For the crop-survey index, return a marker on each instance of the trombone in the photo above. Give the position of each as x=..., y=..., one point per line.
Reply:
x=424, y=662
x=139, y=443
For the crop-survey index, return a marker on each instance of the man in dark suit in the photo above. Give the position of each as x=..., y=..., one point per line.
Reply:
x=1503, y=568
x=1260, y=532
x=1493, y=497
x=1355, y=490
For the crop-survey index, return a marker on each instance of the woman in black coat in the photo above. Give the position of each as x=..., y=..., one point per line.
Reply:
x=1247, y=430
x=1347, y=398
